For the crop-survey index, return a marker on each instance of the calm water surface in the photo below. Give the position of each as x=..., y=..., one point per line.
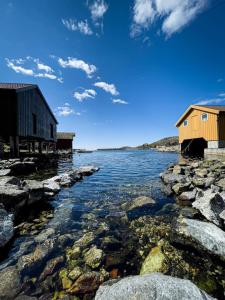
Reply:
x=123, y=176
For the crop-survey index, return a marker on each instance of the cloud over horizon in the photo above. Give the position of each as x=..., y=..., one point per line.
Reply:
x=119, y=101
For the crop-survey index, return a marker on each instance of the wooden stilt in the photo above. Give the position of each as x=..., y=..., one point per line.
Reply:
x=17, y=146
x=40, y=147
x=1, y=149
x=33, y=147
x=12, y=146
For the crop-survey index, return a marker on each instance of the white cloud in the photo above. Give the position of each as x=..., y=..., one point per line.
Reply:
x=210, y=101
x=31, y=67
x=79, y=64
x=220, y=80
x=109, y=88
x=174, y=14
x=143, y=16
x=222, y=95
x=65, y=111
x=74, y=25
x=119, y=101
x=98, y=8
x=81, y=96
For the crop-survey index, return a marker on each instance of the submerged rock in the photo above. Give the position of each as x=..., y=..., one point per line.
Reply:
x=154, y=286
x=139, y=203
x=10, y=283
x=154, y=262
x=6, y=227
x=94, y=257
x=86, y=283
x=210, y=205
x=201, y=235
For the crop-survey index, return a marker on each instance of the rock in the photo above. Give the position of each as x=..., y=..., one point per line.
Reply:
x=209, y=181
x=10, y=283
x=210, y=205
x=171, y=179
x=10, y=180
x=153, y=286
x=73, y=253
x=86, y=283
x=50, y=187
x=201, y=172
x=154, y=262
x=201, y=235
x=75, y=273
x=51, y=266
x=221, y=183
x=21, y=168
x=178, y=170
x=25, y=297
x=35, y=190
x=179, y=188
x=12, y=196
x=66, y=282
x=87, y=170
x=5, y=172
x=139, y=203
x=94, y=257
x=166, y=189
x=222, y=216
x=6, y=227
x=28, y=263
x=86, y=240
x=199, y=182
x=187, y=196
x=44, y=235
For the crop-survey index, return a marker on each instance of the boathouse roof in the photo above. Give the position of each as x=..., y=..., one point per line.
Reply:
x=216, y=109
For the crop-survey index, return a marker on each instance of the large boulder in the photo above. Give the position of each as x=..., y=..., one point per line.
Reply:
x=87, y=170
x=6, y=227
x=171, y=179
x=94, y=257
x=205, y=237
x=210, y=205
x=35, y=190
x=153, y=286
x=221, y=183
x=5, y=172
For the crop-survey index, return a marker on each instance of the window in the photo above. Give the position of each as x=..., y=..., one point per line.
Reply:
x=34, y=121
x=204, y=117
x=51, y=131
x=185, y=122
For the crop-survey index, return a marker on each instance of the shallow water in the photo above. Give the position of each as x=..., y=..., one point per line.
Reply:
x=123, y=176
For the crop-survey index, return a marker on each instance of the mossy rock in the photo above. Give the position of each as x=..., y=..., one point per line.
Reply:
x=155, y=262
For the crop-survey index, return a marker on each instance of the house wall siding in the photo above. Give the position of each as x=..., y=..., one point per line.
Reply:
x=197, y=128
x=30, y=102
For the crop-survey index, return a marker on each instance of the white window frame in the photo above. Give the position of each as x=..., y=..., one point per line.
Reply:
x=185, y=123
x=207, y=117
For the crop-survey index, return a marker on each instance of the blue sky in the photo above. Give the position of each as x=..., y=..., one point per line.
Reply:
x=116, y=72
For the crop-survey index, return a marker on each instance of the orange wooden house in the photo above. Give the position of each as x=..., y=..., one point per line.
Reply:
x=202, y=130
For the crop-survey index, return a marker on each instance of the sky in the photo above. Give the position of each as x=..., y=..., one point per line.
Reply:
x=116, y=72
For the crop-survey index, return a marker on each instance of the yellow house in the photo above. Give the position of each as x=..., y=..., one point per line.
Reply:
x=202, y=129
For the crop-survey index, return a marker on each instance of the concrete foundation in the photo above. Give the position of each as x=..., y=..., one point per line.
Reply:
x=216, y=144
x=216, y=152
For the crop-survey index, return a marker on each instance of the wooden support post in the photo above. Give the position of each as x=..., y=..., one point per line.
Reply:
x=12, y=146
x=47, y=148
x=33, y=147
x=40, y=147
x=17, y=146
x=29, y=147
x=1, y=149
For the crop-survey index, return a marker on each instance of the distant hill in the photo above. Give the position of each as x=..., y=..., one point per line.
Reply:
x=167, y=142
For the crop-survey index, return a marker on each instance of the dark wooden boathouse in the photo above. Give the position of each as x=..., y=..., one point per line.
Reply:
x=65, y=141
x=26, y=120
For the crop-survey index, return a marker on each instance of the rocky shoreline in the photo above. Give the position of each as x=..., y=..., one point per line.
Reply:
x=129, y=253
